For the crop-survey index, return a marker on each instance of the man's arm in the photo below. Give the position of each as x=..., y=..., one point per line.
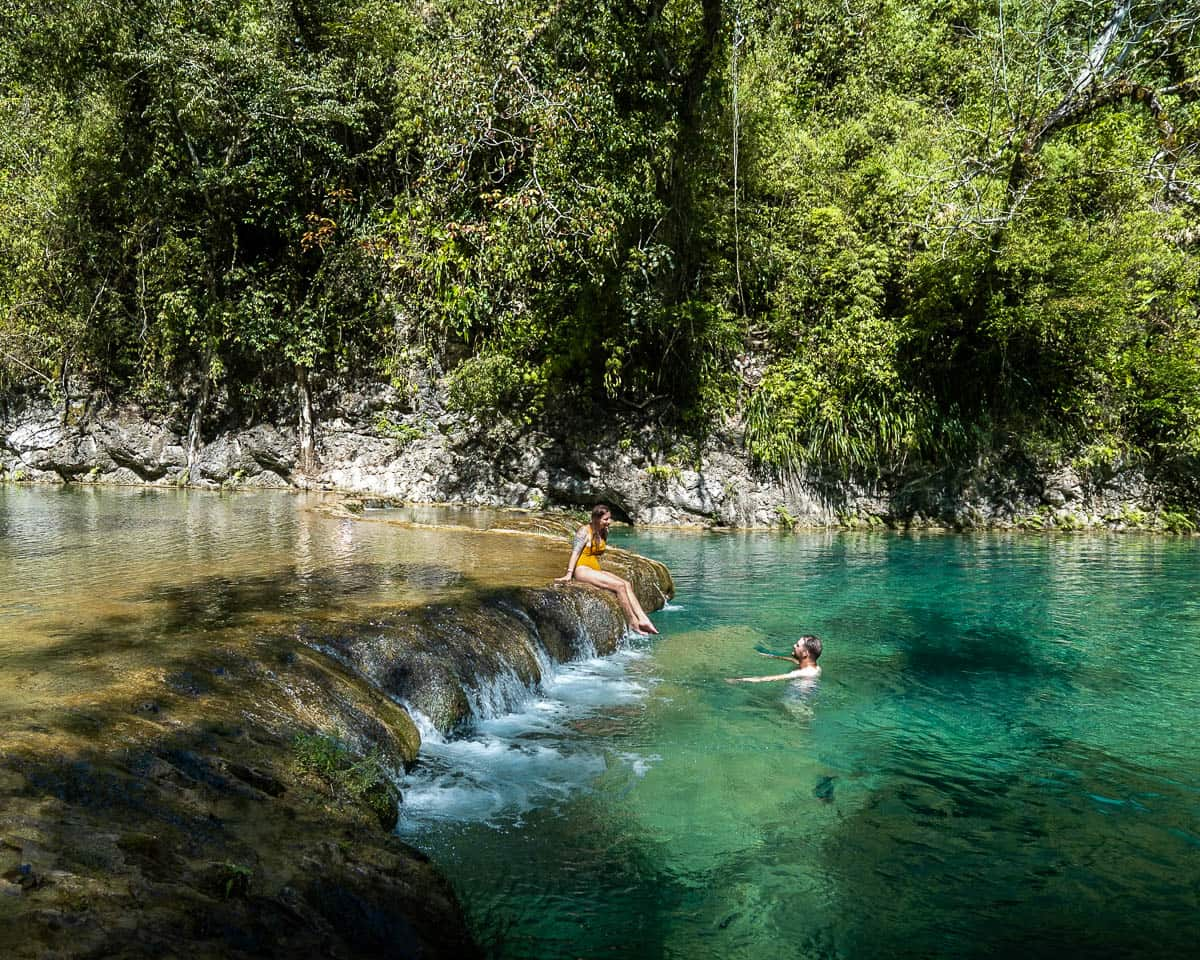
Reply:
x=775, y=656
x=778, y=676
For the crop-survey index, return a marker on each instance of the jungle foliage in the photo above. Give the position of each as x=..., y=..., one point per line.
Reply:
x=886, y=234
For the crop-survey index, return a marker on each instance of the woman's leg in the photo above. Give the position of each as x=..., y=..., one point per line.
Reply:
x=633, y=599
x=610, y=581
x=643, y=621
x=625, y=596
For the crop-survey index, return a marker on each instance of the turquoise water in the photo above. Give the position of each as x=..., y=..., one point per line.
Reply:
x=999, y=759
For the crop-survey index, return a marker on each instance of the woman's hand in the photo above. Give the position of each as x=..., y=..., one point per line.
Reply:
x=566, y=577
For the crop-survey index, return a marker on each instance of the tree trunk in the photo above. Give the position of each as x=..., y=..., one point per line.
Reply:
x=194, y=440
x=65, y=386
x=680, y=220
x=308, y=442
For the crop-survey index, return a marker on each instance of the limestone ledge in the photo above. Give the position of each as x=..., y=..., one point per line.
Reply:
x=176, y=819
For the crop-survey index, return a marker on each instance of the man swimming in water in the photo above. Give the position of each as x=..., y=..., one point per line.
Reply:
x=805, y=653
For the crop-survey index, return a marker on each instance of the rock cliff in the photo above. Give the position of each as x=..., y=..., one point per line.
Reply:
x=372, y=439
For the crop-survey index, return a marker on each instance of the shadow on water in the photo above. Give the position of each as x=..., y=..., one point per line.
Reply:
x=944, y=649
x=220, y=601
x=164, y=819
x=163, y=630
x=171, y=613
x=1032, y=862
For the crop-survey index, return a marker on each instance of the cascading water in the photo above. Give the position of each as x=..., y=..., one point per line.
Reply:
x=508, y=762
x=210, y=615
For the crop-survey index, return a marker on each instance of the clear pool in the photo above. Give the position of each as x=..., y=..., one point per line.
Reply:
x=1000, y=759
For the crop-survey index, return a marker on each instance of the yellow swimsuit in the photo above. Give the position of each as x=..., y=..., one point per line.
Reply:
x=590, y=555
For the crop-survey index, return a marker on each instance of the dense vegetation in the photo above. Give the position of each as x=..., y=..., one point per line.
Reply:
x=885, y=233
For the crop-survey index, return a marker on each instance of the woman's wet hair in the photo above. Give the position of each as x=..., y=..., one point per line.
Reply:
x=810, y=644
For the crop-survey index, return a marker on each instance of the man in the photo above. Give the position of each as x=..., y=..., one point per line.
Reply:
x=805, y=653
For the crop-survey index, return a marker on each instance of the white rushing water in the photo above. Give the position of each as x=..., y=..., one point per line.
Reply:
x=510, y=762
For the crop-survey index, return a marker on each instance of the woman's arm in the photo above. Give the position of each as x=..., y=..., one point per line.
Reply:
x=570, y=574
x=581, y=541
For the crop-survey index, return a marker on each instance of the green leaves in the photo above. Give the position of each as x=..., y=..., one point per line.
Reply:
x=202, y=142
x=940, y=243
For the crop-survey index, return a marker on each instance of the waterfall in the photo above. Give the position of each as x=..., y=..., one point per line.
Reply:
x=508, y=762
x=497, y=695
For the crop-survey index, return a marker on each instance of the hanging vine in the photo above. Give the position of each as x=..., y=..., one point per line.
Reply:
x=738, y=38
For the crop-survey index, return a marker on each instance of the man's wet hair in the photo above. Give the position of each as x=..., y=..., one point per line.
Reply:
x=811, y=644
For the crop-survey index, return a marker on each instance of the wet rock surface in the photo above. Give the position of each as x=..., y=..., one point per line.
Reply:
x=452, y=662
x=180, y=824
x=156, y=858
x=178, y=815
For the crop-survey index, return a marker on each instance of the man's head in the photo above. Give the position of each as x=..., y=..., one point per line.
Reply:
x=808, y=648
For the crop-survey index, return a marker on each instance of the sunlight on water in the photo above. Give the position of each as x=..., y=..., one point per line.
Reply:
x=100, y=587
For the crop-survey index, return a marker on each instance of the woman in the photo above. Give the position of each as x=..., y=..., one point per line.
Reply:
x=591, y=540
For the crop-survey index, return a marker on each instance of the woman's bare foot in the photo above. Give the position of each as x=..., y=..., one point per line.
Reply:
x=647, y=627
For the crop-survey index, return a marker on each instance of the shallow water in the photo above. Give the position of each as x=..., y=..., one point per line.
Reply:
x=102, y=587
x=999, y=759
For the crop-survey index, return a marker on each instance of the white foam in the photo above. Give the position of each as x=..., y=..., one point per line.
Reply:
x=512, y=762
x=499, y=695
x=594, y=683
x=638, y=764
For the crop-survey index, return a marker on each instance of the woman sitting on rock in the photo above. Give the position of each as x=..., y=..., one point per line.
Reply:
x=591, y=540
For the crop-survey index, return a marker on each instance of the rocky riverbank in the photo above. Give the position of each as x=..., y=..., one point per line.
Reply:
x=237, y=801
x=376, y=440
